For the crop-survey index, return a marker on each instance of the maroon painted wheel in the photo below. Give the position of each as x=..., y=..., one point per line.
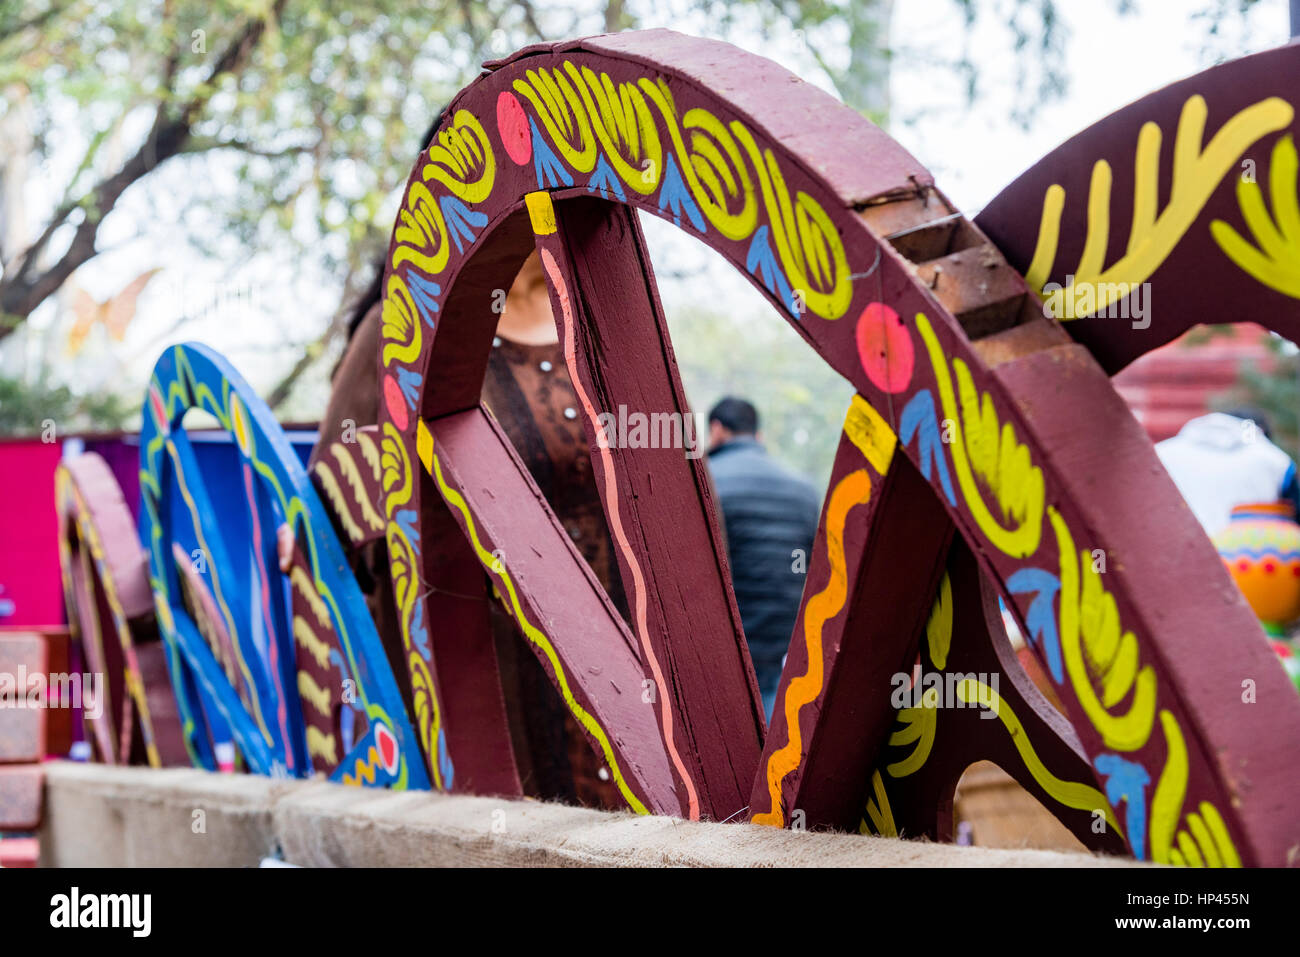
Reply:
x=975, y=414
x=110, y=610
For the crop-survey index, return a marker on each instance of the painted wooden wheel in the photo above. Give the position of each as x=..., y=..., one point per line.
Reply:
x=110, y=608
x=1186, y=198
x=269, y=639
x=968, y=420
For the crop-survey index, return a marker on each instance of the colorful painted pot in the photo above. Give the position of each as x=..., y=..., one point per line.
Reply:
x=1261, y=547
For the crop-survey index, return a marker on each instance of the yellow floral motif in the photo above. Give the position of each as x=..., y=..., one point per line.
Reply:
x=918, y=724
x=623, y=125
x=938, y=628
x=421, y=232
x=879, y=819
x=807, y=243
x=1204, y=842
x=1276, y=262
x=1097, y=654
x=713, y=167
x=1197, y=173
x=560, y=109
x=985, y=448
x=401, y=330
x=461, y=159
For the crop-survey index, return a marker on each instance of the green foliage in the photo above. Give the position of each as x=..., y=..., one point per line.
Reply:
x=1276, y=391
x=26, y=407
x=801, y=401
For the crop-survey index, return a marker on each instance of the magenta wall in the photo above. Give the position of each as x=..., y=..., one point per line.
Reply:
x=31, y=590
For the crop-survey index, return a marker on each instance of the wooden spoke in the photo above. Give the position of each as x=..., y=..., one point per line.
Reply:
x=555, y=601
x=655, y=494
x=879, y=553
x=971, y=700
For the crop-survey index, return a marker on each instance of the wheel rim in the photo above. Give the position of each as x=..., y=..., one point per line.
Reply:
x=909, y=302
x=298, y=644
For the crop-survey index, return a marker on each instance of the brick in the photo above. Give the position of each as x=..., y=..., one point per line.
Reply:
x=20, y=797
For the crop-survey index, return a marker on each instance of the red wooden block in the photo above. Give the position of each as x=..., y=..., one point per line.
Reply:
x=20, y=797
x=19, y=852
x=22, y=727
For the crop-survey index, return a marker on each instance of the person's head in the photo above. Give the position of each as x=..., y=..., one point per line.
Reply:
x=731, y=418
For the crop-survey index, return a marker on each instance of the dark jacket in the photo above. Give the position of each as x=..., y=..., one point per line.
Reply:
x=769, y=513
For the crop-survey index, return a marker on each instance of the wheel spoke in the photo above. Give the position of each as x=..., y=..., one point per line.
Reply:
x=879, y=553
x=557, y=604
x=672, y=560
x=969, y=676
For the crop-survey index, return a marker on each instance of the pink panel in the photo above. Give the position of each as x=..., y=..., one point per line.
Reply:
x=31, y=587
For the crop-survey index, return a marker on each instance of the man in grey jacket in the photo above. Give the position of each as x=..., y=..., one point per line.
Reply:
x=770, y=514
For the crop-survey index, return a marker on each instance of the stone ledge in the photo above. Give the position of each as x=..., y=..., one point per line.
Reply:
x=98, y=816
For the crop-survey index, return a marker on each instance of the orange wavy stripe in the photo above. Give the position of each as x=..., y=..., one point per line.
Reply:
x=853, y=489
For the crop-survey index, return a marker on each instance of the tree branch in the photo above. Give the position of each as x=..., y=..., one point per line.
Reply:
x=24, y=290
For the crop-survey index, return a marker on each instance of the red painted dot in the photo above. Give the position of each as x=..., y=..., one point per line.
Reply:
x=1243, y=565
x=1269, y=568
x=885, y=348
x=512, y=124
x=387, y=747
x=396, y=403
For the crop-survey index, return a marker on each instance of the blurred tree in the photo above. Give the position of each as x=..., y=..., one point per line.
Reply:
x=26, y=407
x=310, y=113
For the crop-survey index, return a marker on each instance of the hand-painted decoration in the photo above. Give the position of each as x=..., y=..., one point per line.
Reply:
x=271, y=649
x=1198, y=181
x=977, y=415
x=110, y=608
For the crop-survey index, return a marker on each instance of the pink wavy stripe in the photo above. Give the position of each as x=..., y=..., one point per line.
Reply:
x=281, y=711
x=616, y=527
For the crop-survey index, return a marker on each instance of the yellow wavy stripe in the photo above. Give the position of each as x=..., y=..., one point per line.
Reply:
x=311, y=642
x=302, y=584
x=456, y=501
x=321, y=745
x=1071, y=794
x=350, y=471
x=995, y=453
x=854, y=489
x=365, y=769
x=314, y=694
x=342, y=507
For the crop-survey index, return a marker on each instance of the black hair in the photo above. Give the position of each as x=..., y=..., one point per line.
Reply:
x=735, y=414
x=375, y=291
